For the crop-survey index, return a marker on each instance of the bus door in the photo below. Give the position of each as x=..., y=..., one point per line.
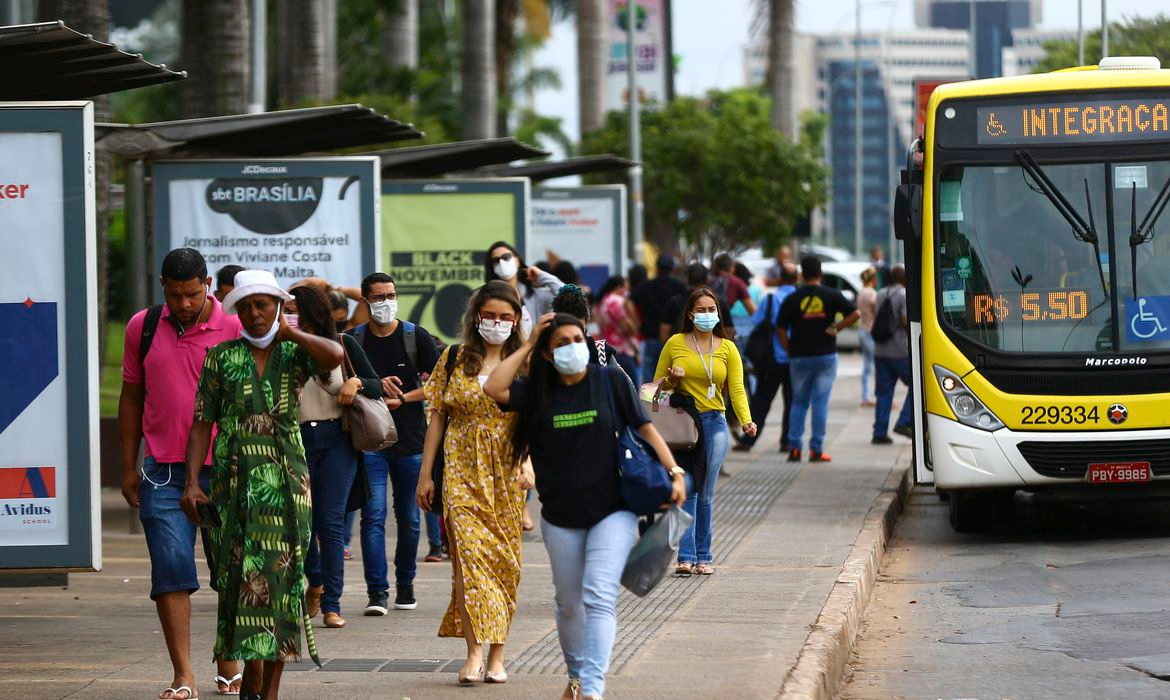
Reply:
x=908, y=229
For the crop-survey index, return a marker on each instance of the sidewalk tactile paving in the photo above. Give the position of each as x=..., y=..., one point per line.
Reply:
x=353, y=665
x=740, y=505
x=417, y=665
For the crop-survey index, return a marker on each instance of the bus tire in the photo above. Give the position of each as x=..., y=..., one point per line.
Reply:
x=969, y=511
x=943, y=495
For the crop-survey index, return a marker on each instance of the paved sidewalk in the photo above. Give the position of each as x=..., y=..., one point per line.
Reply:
x=782, y=533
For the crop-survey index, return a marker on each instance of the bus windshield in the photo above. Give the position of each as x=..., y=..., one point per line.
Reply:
x=1032, y=258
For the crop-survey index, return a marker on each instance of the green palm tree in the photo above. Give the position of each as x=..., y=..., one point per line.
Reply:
x=214, y=52
x=479, y=69
x=307, y=69
x=778, y=16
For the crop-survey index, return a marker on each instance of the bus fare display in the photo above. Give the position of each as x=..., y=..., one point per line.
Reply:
x=1038, y=306
x=1074, y=122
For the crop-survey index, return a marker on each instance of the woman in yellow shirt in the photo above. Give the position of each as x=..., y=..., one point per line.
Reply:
x=700, y=361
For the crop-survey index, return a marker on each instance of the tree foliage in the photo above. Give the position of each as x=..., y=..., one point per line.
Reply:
x=717, y=176
x=1135, y=36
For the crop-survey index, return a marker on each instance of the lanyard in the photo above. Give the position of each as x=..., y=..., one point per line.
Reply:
x=709, y=370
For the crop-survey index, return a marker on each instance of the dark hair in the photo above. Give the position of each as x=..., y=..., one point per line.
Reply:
x=638, y=275
x=723, y=263
x=226, y=277
x=610, y=284
x=182, y=264
x=337, y=300
x=543, y=265
x=314, y=307
x=490, y=275
x=697, y=274
x=542, y=377
x=788, y=273
x=742, y=272
x=572, y=300
x=565, y=272
x=665, y=263
x=375, y=278
x=810, y=267
x=688, y=323
x=474, y=348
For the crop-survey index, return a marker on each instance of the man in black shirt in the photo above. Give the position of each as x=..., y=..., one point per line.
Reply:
x=651, y=298
x=807, y=328
x=402, y=354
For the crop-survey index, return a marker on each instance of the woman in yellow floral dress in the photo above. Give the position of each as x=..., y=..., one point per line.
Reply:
x=483, y=487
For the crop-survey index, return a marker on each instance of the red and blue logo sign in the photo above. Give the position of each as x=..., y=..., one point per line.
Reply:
x=28, y=482
x=28, y=355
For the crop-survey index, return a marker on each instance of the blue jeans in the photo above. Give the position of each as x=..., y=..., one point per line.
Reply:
x=651, y=349
x=889, y=371
x=812, y=383
x=402, y=473
x=587, y=570
x=866, y=340
x=695, y=547
x=332, y=468
x=434, y=531
x=170, y=534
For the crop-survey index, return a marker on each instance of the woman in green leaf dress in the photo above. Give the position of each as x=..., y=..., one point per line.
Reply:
x=250, y=390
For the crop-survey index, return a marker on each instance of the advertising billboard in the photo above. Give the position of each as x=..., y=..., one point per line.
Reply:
x=50, y=514
x=435, y=235
x=651, y=52
x=312, y=217
x=584, y=225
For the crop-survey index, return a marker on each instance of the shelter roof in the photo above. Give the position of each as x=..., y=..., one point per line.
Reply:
x=460, y=156
x=281, y=133
x=547, y=170
x=49, y=61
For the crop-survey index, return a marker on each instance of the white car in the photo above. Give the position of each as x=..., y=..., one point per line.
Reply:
x=846, y=278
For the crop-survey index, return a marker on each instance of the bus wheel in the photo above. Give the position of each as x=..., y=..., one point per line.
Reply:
x=970, y=511
x=943, y=495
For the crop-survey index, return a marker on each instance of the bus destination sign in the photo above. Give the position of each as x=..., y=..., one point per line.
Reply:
x=1074, y=122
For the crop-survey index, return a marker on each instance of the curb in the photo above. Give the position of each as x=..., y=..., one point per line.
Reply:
x=821, y=664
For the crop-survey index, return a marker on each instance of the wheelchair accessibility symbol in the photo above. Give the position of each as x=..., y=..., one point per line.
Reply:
x=994, y=128
x=1145, y=318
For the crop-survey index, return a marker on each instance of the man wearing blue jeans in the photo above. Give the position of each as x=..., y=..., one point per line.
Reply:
x=402, y=355
x=892, y=361
x=807, y=328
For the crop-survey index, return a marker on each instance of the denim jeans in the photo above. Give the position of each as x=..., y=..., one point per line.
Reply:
x=402, y=473
x=695, y=547
x=889, y=371
x=866, y=339
x=170, y=534
x=434, y=528
x=651, y=350
x=587, y=570
x=812, y=383
x=332, y=468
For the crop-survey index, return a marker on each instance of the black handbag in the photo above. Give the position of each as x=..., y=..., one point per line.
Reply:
x=437, y=469
x=759, y=348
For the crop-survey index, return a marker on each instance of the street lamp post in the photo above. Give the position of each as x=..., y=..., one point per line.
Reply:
x=1080, y=33
x=858, y=188
x=1104, y=32
x=636, y=205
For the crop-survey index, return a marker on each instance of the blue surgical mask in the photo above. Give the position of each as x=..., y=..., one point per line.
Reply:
x=706, y=321
x=571, y=359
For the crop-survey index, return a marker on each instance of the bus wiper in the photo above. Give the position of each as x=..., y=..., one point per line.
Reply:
x=1085, y=231
x=1145, y=232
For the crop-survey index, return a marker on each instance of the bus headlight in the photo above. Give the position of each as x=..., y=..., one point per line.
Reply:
x=967, y=407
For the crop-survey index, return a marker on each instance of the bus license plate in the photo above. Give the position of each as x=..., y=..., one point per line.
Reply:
x=1119, y=473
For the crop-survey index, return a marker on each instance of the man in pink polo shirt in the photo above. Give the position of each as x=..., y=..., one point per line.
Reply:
x=163, y=355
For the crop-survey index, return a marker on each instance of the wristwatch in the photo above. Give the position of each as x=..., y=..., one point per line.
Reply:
x=677, y=471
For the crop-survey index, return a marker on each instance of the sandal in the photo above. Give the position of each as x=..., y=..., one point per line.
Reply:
x=684, y=569
x=224, y=685
x=704, y=569
x=174, y=693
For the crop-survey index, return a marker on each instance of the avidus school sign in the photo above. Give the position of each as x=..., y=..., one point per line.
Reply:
x=297, y=218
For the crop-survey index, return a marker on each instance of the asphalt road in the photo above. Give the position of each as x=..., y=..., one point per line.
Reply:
x=1070, y=602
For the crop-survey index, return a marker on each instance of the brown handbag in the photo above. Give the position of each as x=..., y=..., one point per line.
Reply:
x=675, y=425
x=370, y=425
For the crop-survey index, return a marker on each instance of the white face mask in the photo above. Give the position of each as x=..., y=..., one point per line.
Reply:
x=384, y=312
x=493, y=334
x=507, y=269
x=293, y=320
x=265, y=340
x=571, y=359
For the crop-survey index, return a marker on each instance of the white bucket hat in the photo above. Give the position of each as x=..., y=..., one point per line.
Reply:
x=249, y=282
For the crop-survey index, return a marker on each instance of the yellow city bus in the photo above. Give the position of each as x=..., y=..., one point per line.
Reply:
x=1032, y=213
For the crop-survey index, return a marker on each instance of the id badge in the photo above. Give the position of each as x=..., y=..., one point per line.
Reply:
x=710, y=391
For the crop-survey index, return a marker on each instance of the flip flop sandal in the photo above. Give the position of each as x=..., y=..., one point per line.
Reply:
x=704, y=569
x=684, y=570
x=227, y=682
x=191, y=695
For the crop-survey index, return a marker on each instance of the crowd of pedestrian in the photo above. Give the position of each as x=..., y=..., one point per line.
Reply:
x=241, y=394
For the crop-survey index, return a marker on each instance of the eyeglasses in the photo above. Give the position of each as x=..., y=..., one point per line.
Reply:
x=497, y=320
x=378, y=298
x=503, y=258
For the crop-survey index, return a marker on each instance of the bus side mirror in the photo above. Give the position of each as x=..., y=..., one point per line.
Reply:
x=908, y=212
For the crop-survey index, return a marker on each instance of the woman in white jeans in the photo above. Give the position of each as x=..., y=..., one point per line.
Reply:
x=566, y=426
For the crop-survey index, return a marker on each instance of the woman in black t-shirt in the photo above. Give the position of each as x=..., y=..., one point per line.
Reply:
x=566, y=425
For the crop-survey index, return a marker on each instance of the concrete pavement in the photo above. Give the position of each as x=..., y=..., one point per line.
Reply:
x=782, y=535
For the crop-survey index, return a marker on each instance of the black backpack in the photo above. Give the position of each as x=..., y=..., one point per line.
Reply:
x=759, y=348
x=884, y=323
